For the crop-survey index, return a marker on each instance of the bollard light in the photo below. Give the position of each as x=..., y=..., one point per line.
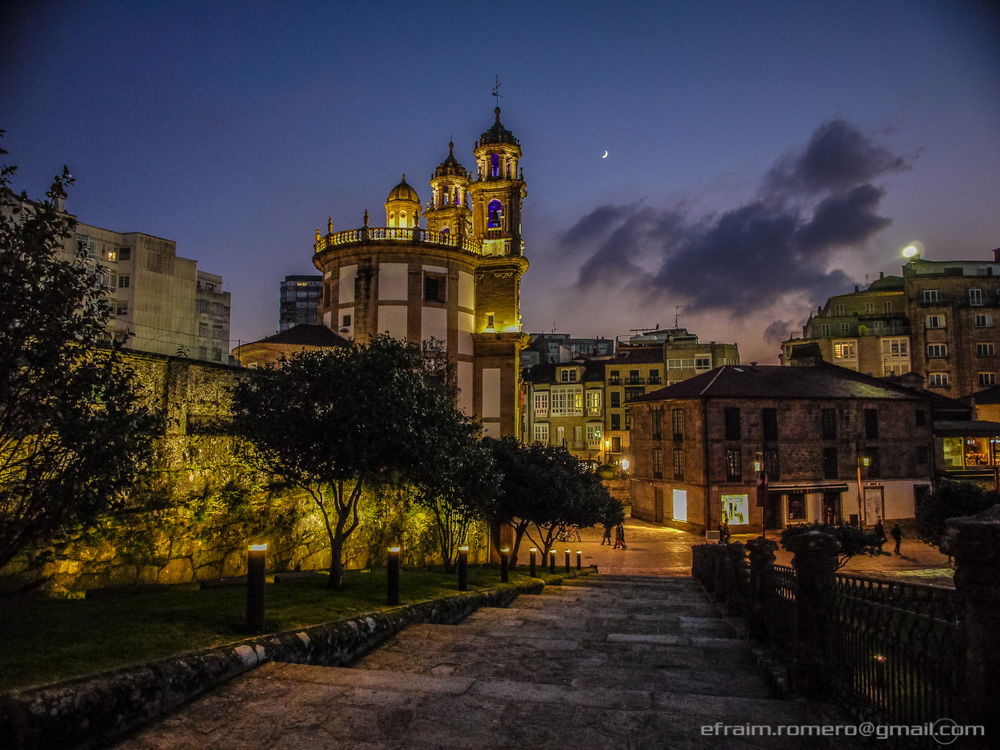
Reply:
x=463, y=568
x=532, y=553
x=552, y=560
x=504, y=564
x=566, y=560
x=392, y=577
x=579, y=559
x=256, y=561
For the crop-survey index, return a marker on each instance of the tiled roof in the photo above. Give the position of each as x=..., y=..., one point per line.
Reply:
x=306, y=335
x=642, y=356
x=772, y=381
x=989, y=396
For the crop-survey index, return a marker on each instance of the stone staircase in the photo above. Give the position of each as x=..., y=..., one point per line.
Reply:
x=599, y=662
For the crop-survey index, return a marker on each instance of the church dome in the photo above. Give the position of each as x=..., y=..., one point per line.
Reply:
x=450, y=166
x=403, y=192
x=498, y=133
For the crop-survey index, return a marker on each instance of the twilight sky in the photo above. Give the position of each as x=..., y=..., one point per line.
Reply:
x=762, y=156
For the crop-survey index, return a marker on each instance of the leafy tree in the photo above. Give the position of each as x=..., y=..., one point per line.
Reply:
x=853, y=541
x=339, y=421
x=544, y=487
x=949, y=500
x=73, y=433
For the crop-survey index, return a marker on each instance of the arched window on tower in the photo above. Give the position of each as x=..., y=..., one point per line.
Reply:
x=508, y=169
x=494, y=214
x=457, y=199
x=495, y=164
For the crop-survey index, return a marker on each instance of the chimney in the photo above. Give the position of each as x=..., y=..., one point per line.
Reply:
x=996, y=255
x=881, y=274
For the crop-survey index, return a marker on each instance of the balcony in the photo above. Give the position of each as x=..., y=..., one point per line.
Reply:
x=416, y=235
x=632, y=380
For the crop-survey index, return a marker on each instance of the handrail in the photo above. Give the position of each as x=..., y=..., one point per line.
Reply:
x=397, y=234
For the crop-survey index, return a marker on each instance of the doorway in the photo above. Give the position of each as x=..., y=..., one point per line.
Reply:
x=772, y=511
x=658, y=504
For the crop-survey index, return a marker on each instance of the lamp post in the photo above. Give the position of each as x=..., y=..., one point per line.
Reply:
x=256, y=558
x=463, y=568
x=552, y=560
x=579, y=559
x=607, y=451
x=504, y=564
x=531, y=559
x=566, y=559
x=863, y=463
x=392, y=577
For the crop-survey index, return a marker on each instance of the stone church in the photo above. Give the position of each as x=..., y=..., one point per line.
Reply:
x=455, y=280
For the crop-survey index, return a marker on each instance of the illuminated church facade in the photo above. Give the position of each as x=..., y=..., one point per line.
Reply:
x=455, y=280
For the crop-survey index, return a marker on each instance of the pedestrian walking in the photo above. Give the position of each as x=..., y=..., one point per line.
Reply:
x=724, y=533
x=620, y=537
x=897, y=535
x=880, y=537
x=606, y=539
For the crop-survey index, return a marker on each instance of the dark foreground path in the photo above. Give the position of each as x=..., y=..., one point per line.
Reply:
x=601, y=662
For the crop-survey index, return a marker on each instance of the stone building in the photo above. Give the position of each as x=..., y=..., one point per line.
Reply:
x=564, y=405
x=454, y=284
x=299, y=301
x=562, y=347
x=271, y=349
x=867, y=330
x=163, y=302
x=833, y=444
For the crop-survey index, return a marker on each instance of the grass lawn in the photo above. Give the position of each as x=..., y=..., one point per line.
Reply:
x=49, y=640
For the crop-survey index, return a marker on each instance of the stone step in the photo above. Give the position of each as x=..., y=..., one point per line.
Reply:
x=286, y=705
x=540, y=620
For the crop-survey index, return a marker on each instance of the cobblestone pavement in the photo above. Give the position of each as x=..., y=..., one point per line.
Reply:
x=599, y=662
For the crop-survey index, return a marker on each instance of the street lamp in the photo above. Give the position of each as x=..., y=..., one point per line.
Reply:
x=913, y=251
x=863, y=463
x=607, y=451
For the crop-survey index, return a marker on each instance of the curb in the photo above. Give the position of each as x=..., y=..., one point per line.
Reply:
x=97, y=710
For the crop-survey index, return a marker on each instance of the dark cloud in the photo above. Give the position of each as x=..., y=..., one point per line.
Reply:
x=837, y=157
x=747, y=258
x=778, y=331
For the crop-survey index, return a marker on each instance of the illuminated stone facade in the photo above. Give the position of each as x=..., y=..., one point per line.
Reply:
x=456, y=282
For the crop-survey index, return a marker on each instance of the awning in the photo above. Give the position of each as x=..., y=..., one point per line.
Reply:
x=814, y=487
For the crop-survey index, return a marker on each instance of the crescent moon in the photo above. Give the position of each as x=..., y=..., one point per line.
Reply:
x=605, y=155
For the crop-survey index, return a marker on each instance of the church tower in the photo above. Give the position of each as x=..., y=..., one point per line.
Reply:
x=402, y=207
x=448, y=211
x=498, y=192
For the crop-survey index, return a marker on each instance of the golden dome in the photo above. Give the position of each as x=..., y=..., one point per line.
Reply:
x=403, y=192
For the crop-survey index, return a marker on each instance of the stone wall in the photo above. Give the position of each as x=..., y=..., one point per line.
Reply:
x=207, y=505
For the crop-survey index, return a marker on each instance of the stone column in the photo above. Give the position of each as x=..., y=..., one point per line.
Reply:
x=815, y=562
x=761, y=551
x=975, y=543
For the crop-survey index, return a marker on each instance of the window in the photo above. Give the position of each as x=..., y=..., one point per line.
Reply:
x=494, y=214
x=845, y=328
x=434, y=287
x=217, y=355
x=937, y=350
x=345, y=321
x=490, y=321
x=935, y=321
x=593, y=402
x=616, y=444
x=796, y=508
x=772, y=466
x=217, y=332
x=987, y=379
x=735, y=509
x=657, y=463
x=678, y=463
x=203, y=329
x=976, y=297
x=615, y=376
x=124, y=253
x=561, y=436
x=567, y=375
x=887, y=308
x=657, y=420
x=121, y=309
x=541, y=433
x=703, y=363
x=731, y=415
x=593, y=435
x=631, y=394
x=871, y=423
x=633, y=377
x=769, y=423
x=677, y=423
x=845, y=350
x=826, y=330
x=734, y=465
x=984, y=350
x=828, y=424
x=895, y=347
x=541, y=405
x=937, y=380
x=654, y=377
x=578, y=436
x=838, y=309
x=566, y=401
x=616, y=421
x=830, y=469
x=616, y=399
x=123, y=281
x=869, y=307
x=929, y=295
x=984, y=321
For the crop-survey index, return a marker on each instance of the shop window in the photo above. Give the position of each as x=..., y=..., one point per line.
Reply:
x=735, y=509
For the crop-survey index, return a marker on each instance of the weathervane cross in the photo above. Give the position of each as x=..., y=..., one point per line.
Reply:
x=496, y=90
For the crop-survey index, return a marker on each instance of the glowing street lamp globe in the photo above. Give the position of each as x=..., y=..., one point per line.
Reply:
x=913, y=250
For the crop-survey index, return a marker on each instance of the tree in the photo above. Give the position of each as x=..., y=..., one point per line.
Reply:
x=853, y=541
x=949, y=500
x=73, y=433
x=340, y=421
x=545, y=487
